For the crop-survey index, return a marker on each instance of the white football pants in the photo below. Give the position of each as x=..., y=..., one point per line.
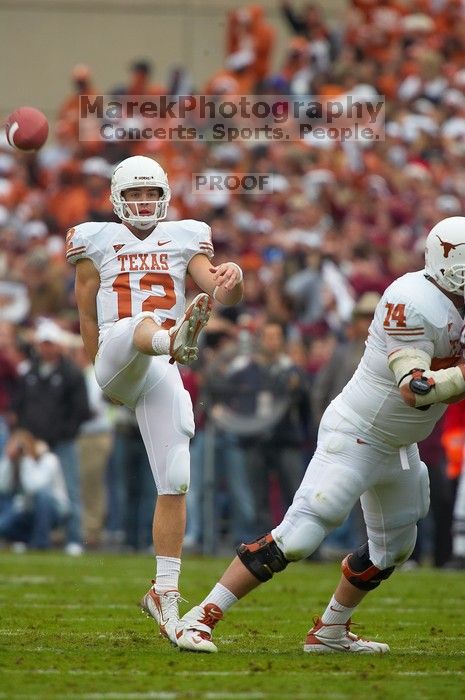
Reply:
x=392, y=485
x=153, y=388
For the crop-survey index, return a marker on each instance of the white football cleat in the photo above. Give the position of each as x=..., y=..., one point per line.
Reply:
x=194, y=630
x=163, y=607
x=185, y=332
x=326, y=639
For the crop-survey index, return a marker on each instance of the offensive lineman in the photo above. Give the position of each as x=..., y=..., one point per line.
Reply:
x=412, y=366
x=130, y=280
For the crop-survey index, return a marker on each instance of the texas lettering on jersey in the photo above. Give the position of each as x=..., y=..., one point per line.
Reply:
x=139, y=275
x=135, y=262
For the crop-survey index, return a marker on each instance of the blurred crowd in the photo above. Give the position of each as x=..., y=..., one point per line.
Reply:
x=344, y=220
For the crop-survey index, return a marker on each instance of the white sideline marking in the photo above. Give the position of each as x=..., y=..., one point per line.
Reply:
x=93, y=579
x=109, y=672
x=173, y=696
x=153, y=695
x=29, y=580
x=75, y=606
x=101, y=635
x=423, y=652
x=416, y=609
x=78, y=672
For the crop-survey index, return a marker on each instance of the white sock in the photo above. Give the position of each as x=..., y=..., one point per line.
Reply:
x=336, y=614
x=221, y=596
x=161, y=342
x=167, y=576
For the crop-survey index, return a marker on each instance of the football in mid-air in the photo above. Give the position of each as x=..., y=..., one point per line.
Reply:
x=26, y=129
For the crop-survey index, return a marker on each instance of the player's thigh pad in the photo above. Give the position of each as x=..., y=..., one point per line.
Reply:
x=120, y=368
x=165, y=417
x=392, y=508
x=337, y=475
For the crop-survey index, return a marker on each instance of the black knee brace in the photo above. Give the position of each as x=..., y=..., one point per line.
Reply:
x=262, y=557
x=360, y=571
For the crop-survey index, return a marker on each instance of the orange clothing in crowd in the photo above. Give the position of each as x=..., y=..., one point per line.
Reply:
x=69, y=110
x=68, y=113
x=226, y=82
x=140, y=85
x=453, y=438
x=248, y=31
x=68, y=206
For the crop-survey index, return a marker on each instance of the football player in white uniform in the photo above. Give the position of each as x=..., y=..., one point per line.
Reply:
x=130, y=292
x=411, y=368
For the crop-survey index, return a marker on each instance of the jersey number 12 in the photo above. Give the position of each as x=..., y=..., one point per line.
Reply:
x=153, y=302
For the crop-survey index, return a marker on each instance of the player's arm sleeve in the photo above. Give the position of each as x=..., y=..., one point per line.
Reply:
x=406, y=327
x=200, y=268
x=199, y=240
x=410, y=345
x=77, y=245
x=81, y=243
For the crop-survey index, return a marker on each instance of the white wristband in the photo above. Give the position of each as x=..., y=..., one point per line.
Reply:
x=241, y=276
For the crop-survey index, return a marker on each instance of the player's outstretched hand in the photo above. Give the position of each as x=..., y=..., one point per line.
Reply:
x=226, y=275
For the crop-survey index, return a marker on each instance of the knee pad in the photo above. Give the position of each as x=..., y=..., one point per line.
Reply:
x=299, y=540
x=360, y=571
x=423, y=492
x=146, y=314
x=183, y=414
x=262, y=557
x=178, y=469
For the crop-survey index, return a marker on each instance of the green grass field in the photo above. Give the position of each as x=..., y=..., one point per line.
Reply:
x=71, y=628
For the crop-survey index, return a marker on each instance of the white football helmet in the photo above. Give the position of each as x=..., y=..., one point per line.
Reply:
x=445, y=254
x=139, y=171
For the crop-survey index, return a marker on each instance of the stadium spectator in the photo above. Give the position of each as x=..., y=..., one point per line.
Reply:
x=249, y=32
x=96, y=174
x=51, y=402
x=336, y=372
x=137, y=495
x=320, y=292
x=45, y=284
x=365, y=450
x=236, y=78
x=434, y=532
x=220, y=489
x=309, y=23
x=457, y=560
x=67, y=202
x=94, y=443
x=295, y=74
x=453, y=440
x=9, y=361
x=140, y=74
x=33, y=495
x=271, y=394
x=68, y=112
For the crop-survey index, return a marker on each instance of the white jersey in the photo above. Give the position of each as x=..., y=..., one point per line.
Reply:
x=413, y=312
x=139, y=275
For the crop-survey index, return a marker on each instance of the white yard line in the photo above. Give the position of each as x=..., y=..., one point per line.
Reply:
x=76, y=606
x=135, y=672
x=101, y=635
x=160, y=695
